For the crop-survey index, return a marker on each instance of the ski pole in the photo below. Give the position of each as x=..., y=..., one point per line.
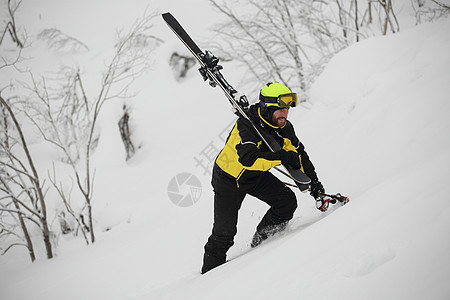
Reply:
x=338, y=197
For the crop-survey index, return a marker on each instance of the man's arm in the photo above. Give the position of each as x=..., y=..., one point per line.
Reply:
x=248, y=150
x=308, y=167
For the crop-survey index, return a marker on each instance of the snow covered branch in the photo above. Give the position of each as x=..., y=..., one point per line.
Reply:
x=29, y=187
x=291, y=41
x=11, y=26
x=66, y=116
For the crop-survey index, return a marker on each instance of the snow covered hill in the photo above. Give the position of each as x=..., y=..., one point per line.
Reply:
x=377, y=131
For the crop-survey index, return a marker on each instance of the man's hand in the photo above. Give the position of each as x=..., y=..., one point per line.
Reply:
x=317, y=192
x=290, y=158
x=316, y=188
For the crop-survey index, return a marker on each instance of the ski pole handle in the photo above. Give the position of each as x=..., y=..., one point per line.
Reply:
x=337, y=197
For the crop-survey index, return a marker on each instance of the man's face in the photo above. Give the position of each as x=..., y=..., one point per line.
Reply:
x=279, y=117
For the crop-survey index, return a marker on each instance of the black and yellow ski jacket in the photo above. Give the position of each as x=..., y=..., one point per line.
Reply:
x=245, y=156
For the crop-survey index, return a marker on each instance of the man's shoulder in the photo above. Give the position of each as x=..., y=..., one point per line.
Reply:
x=251, y=113
x=246, y=128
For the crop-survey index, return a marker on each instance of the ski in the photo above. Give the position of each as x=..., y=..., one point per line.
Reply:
x=210, y=70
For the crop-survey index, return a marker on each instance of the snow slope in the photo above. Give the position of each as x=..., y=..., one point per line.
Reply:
x=377, y=131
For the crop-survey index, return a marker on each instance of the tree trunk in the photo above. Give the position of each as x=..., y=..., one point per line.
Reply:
x=26, y=234
x=91, y=223
x=35, y=181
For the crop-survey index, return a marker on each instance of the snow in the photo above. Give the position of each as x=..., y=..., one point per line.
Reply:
x=377, y=131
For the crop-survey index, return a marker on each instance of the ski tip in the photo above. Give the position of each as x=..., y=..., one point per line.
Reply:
x=167, y=16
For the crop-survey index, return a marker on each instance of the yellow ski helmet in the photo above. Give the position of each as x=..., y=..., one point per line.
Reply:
x=276, y=95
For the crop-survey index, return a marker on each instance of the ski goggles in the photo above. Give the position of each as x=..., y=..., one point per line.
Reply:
x=282, y=101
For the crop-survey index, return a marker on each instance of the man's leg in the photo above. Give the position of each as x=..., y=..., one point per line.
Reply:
x=282, y=202
x=226, y=207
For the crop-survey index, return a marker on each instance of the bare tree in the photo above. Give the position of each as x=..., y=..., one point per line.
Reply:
x=67, y=117
x=290, y=41
x=429, y=10
x=11, y=213
x=22, y=197
x=10, y=217
x=266, y=42
x=389, y=17
x=11, y=26
x=284, y=40
x=21, y=184
x=10, y=59
x=65, y=197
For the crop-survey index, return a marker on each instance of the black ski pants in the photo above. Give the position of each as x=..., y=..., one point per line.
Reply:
x=227, y=202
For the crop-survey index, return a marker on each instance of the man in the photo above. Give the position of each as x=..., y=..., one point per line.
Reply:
x=242, y=167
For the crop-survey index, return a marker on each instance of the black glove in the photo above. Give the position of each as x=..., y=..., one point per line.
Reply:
x=290, y=158
x=316, y=188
